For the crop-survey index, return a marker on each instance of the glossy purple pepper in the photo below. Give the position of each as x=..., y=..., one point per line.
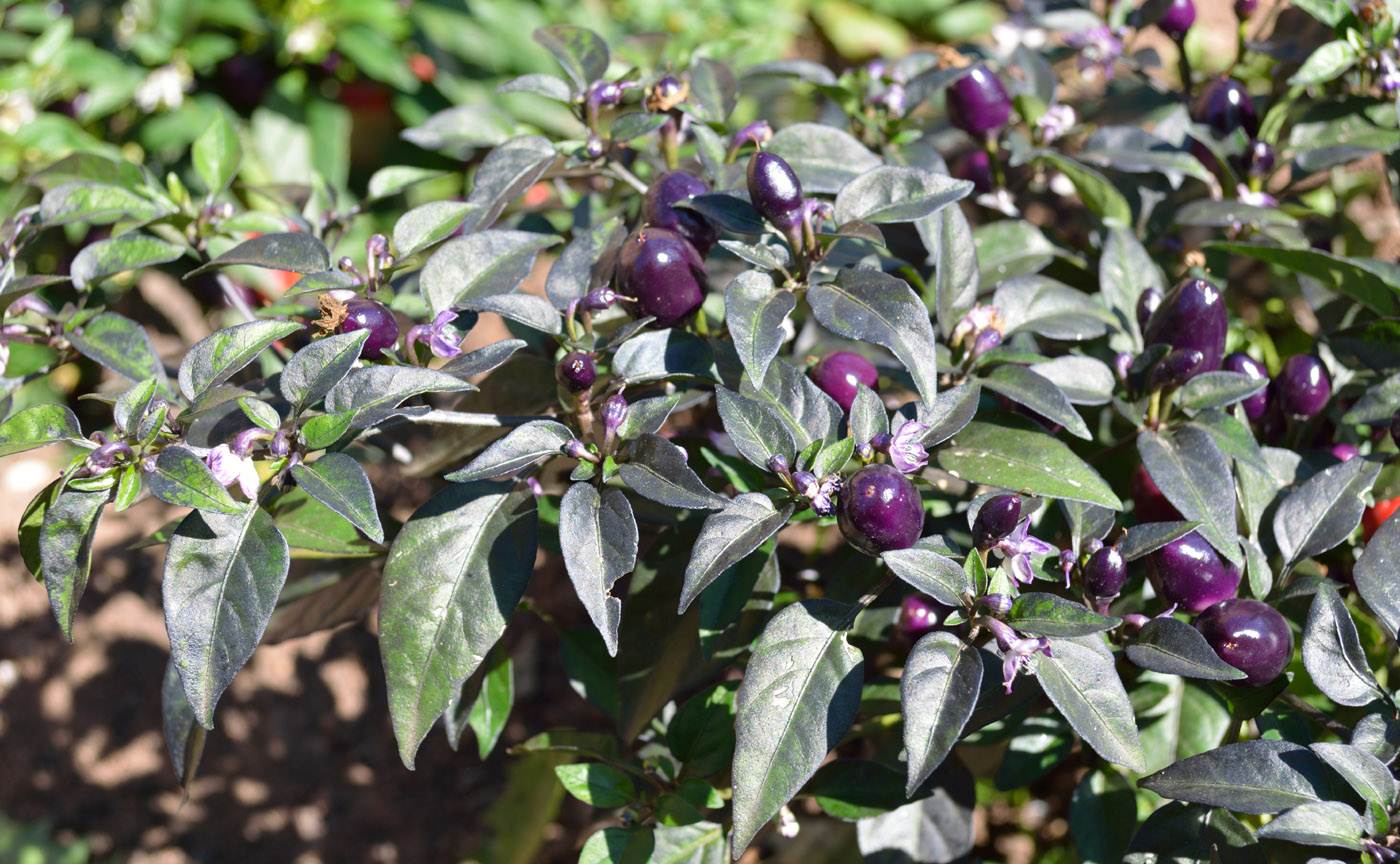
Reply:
x=371, y=315
x=664, y=273
x=880, y=510
x=839, y=373
x=659, y=210
x=1189, y=573
x=577, y=372
x=1192, y=315
x=1105, y=572
x=1224, y=105
x=1249, y=635
x=995, y=520
x=1178, y=18
x=1303, y=386
x=775, y=190
x=978, y=102
x=1255, y=406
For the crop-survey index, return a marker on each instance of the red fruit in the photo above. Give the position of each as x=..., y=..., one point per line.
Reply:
x=1375, y=515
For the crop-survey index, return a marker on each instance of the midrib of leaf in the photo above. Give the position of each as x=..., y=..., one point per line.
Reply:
x=208, y=656
x=796, y=702
x=1093, y=707
x=925, y=770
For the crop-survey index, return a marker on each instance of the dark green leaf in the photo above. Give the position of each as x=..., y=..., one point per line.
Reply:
x=1051, y=615
x=1367, y=280
x=482, y=360
x=1195, y=477
x=97, y=204
x=660, y=354
x=323, y=430
x=459, y=130
x=1016, y=458
x=522, y=446
x=184, y=737
x=216, y=358
x=1263, y=776
x=315, y=369
x=635, y=124
x=595, y=784
x=1174, y=647
x=701, y=843
x=1332, y=652
x=948, y=238
x=121, y=345
x=1215, y=389
x=216, y=153
x=1324, y=510
x=755, y=430
x=181, y=478
x=1025, y=387
x=584, y=264
x=729, y=536
x=454, y=576
x=824, y=158
x=338, y=481
x=1192, y=834
x=1082, y=682
x=898, y=193
x=1098, y=194
x=770, y=256
x=221, y=581
x=701, y=734
x=372, y=393
x=540, y=84
x=1366, y=774
x=800, y=694
x=507, y=172
x=713, y=89
x=754, y=311
x=528, y=309
x=868, y=305
x=1325, y=63
x=938, y=828
x=582, y=53
x=431, y=223
x=1125, y=271
x=261, y=413
x=38, y=426
x=729, y=212
x=1039, y=743
x=930, y=573
x=114, y=255
x=647, y=416
x=1139, y=540
x=867, y=418
x=598, y=534
x=1102, y=816
x=393, y=179
x=1232, y=436
x=1319, y=823
x=950, y=412
x=937, y=693
x=1038, y=304
x=657, y=470
x=491, y=709
x=65, y=550
x=295, y=251
x=804, y=409
x=480, y=265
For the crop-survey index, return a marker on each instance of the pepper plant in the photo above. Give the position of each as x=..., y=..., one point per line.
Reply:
x=859, y=470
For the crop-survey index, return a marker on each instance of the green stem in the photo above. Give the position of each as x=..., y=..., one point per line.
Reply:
x=1154, y=409
x=998, y=174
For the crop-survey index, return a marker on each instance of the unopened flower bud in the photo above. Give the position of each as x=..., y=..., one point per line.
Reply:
x=243, y=442
x=614, y=414
x=594, y=147
x=758, y=132
x=997, y=604
x=576, y=449
x=1122, y=362
x=280, y=446
x=600, y=298
x=778, y=464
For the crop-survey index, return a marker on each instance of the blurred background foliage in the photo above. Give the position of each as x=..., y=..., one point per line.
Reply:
x=139, y=78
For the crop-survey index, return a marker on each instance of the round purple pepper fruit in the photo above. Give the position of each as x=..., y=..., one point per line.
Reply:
x=920, y=615
x=365, y=314
x=1249, y=635
x=1255, y=406
x=978, y=103
x=1105, y=572
x=659, y=210
x=976, y=167
x=663, y=273
x=1259, y=159
x=1224, y=105
x=1148, y=301
x=995, y=520
x=1189, y=573
x=1244, y=9
x=577, y=372
x=1191, y=316
x=880, y=510
x=1344, y=452
x=1178, y=367
x=775, y=190
x=839, y=375
x=1303, y=386
x=1149, y=504
x=1177, y=20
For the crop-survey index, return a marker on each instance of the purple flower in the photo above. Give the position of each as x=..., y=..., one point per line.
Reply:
x=609, y=92
x=759, y=132
x=1067, y=563
x=1098, y=50
x=614, y=414
x=1254, y=199
x=907, y=452
x=535, y=488
x=600, y=298
x=1389, y=73
x=974, y=322
x=442, y=338
x=1019, y=547
x=1056, y=121
x=824, y=502
x=891, y=99
x=228, y=467
x=985, y=341
x=1016, y=649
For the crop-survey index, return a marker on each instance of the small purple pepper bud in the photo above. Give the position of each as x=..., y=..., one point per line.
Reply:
x=865, y=452
x=281, y=445
x=1303, y=385
x=614, y=414
x=1066, y=563
x=758, y=133
x=576, y=449
x=1344, y=452
x=1105, y=572
x=997, y=604
x=600, y=298
x=995, y=520
x=778, y=464
x=377, y=246
x=775, y=190
x=593, y=147
x=1122, y=362
x=667, y=93
x=806, y=483
x=108, y=454
x=1255, y=406
x=1259, y=159
x=1178, y=18
x=1244, y=9
x=1147, y=303
x=986, y=341
x=243, y=442
x=576, y=372
x=1178, y=367
x=978, y=103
